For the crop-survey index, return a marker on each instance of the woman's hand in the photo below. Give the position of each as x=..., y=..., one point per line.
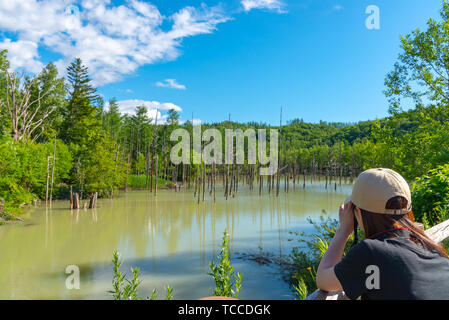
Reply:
x=346, y=217
x=325, y=278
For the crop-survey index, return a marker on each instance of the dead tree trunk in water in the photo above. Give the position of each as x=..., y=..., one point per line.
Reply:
x=76, y=200
x=155, y=166
x=195, y=182
x=279, y=158
x=129, y=162
x=93, y=201
x=204, y=179
x=53, y=170
x=71, y=198
x=156, y=175
x=48, y=178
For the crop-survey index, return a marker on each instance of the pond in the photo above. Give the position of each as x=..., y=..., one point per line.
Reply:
x=170, y=238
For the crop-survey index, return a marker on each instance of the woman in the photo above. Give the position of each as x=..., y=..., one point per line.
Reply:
x=396, y=260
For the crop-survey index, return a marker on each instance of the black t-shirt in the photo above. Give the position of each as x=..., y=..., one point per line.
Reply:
x=383, y=268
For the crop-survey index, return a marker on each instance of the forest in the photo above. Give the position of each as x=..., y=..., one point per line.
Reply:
x=57, y=136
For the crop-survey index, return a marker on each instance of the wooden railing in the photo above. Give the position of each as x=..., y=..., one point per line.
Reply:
x=437, y=233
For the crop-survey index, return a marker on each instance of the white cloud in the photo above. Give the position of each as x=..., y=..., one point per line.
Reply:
x=337, y=7
x=154, y=107
x=112, y=40
x=22, y=53
x=276, y=5
x=171, y=83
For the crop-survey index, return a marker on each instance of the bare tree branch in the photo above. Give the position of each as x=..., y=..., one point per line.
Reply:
x=21, y=110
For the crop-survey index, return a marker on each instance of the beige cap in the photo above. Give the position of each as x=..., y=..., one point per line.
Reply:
x=374, y=187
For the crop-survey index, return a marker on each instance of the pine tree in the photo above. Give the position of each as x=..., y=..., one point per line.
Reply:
x=112, y=119
x=80, y=114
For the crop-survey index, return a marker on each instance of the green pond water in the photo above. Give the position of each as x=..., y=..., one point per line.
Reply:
x=170, y=238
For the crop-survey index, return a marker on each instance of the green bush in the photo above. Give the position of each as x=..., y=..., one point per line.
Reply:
x=430, y=194
x=140, y=182
x=126, y=289
x=303, y=261
x=223, y=272
x=23, y=170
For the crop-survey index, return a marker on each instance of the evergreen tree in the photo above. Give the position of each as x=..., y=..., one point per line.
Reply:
x=80, y=114
x=112, y=119
x=173, y=117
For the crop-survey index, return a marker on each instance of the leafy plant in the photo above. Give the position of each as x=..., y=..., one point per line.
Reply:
x=430, y=194
x=300, y=290
x=303, y=261
x=125, y=289
x=169, y=291
x=223, y=272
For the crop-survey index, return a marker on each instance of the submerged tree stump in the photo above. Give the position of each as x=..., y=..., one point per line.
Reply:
x=71, y=198
x=74, y=200
x=93, y=201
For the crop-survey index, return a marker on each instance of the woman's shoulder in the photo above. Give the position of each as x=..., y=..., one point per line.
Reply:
x=364, y=247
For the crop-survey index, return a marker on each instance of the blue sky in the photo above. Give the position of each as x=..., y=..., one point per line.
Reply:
x=315, y=58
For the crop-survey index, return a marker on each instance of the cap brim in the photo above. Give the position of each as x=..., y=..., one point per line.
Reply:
x=347, y=199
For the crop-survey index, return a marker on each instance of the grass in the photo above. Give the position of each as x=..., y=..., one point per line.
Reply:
x=139, y=182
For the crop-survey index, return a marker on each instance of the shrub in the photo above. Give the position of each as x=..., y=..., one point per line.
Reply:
x=23, y=170
x=223, y=272
x=125, y=289
x=303, y=261
x=429, y=196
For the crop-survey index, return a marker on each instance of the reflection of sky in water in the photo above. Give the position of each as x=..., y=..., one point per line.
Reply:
x=171, y=239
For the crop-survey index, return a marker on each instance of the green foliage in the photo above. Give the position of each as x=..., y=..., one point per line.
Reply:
x=304, y=259
x=430, y=194
x=100, y=167
x=421, y=71
x=169, y=293
x=126, y=289
x=112, y=119
x=140, y=182
x=420, y=77
x=300, y=290
x=80, y=123
x=23, y=170
x=223, y=272
x=53, y=90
